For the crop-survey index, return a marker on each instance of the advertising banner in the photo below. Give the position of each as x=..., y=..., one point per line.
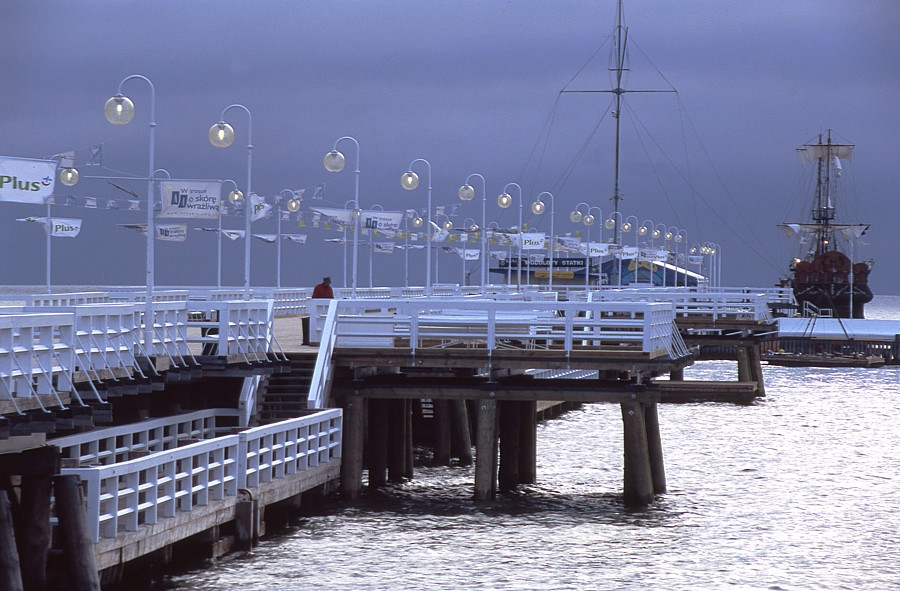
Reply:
x=25, y=180
x=190, y=199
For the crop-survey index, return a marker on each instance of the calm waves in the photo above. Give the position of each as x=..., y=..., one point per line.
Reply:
x=799, y=491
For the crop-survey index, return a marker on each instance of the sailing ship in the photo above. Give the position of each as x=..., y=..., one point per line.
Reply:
x=823, y=277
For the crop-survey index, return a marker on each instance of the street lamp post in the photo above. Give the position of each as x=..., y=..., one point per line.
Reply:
x=409, y=181
x=119, y=110
x=588, y=220
x=538, y=208
x=293, y=206
x=221, y=135
x=233, y=197
x=334, y=162
x=504, y=201
x=372, y=244
x=466, y=193
x=612, y=223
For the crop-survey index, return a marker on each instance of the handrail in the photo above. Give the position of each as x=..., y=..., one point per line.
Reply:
x=141, y=492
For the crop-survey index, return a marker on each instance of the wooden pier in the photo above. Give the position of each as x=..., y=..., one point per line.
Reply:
x=189, y=428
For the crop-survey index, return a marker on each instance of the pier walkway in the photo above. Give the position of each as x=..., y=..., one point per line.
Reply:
x=160, y=421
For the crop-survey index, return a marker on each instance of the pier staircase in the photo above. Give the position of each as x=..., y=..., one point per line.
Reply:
x=283, y=395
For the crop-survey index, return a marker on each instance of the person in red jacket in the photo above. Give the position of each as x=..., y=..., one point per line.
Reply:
x=323, y=290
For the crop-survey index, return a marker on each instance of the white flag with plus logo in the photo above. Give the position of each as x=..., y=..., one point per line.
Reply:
x=59, y=227
x=26, y=180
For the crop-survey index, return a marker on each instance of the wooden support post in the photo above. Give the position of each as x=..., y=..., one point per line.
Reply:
x=743, y=364
x=527, y=442
x=352, y=448
x=34, y=534
x=396, y=441
x=246, y=523
x=408, y=456
x=486, y=450
x=677, y=375
x=461, y=437
x=754, y=361
x=638, y=482
x=78, y=548
x=508, y=412
x=441, y=432
x=378, y=442
x=10, y=572
x=654, y=447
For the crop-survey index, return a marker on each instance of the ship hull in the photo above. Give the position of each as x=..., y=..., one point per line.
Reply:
x=836, y=297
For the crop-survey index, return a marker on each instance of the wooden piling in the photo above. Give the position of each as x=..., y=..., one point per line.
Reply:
x=638, y=482
x=352, y=448
x=397, y=440
x=677, y=375
x=246, y=523
x=441, y=432
x=527, y=442
x=754, y=361
x=78, y=548
x=10, y=571
x=743, y=356
x=34, y=533
x=509, y=420
x=408, y=456
x=654, y=447
x=461, y=436
x=378, y=442
x=486, y=450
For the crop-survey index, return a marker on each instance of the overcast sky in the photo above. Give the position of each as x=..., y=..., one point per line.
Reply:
x=473, y=87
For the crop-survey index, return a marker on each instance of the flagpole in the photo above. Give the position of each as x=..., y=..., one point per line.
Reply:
x=49, y=236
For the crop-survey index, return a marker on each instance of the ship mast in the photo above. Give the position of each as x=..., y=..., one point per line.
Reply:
x=823, y=214
x=619, y=68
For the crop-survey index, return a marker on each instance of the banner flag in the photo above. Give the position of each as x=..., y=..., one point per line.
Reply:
x=65, y=227
x=296, y=238
x=96, y=155
x=142, y=228
x=341, y=216
x=134, y=205
x=67, y=159
x=440, y=234
x=260, y=207
x=335, y=240
x=270, y=238
x=469, y=254
x=59, y=227
x=695, y=259
x=25, y=180
x=409, y=246
x=90, y=202
x=381, y=220
x=499, y=255
x=383, y=247
x=629, y=252
x=171, y=232
x=319, y=191
x=439, y=210
x=532, y=240
x=190, y=199
x=233, y=234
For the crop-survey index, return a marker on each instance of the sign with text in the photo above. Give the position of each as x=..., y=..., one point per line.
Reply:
x=190, y=199
x=26, y=180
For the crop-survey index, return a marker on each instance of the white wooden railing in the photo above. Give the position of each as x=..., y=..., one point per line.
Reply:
x=116, y=444
x=417, y=323
x=37, y=356
x=234, y=327
x=128, y=495
x=743, y=305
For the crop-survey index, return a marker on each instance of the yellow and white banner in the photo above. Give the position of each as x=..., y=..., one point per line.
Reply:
x=26, y=180
x=190, y=199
